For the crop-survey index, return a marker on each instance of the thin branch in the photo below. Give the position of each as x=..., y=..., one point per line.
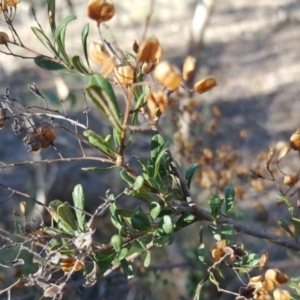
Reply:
x=50, y=161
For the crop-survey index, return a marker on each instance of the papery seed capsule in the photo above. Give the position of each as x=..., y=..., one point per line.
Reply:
x=125, y=74
x=166, y=75
x=4, y=39
x=290, y=179
x=279, y=294
x=12, y=2
x=100, y=10
x=98, y=52
x=204, y=85
x=295, y=140
x=188, y=68
x=149, y=50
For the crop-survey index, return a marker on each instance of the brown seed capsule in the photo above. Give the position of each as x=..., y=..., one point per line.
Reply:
x=12, y=2
x=68, y=264
x=295, y=140
x=108, y=67
x=166, y=75
x=135, y=46
x=188, y=68
x=204, y=85
x=157, y=101
x=290, y=179
x=98, y=52
x=4, y=39
x=276, y=276
x=100, y=10
x=125, y=74
x=149, y=50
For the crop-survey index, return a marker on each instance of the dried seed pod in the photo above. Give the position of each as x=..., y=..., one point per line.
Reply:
x=149, y=50
x=12, y=2
x=32, y=142
x=125, y=74
x=147, y=67
x=46, y=135
x=263, y=260
x=4, y=38
x=135, y=46
x=270, y=156
x=67, y=264
x=98, y=52
x=41, y=138
x=217, y=254
x=279, y=294
x=3, y=117
x=295, y=140
x=108, y=67
x=204, y=85
x=166, y=75
x=269, y=285
x=283, y=152
x=290, y=179
x=157, y=101
x=276, y=276
x=188, y=68
x=100, y=10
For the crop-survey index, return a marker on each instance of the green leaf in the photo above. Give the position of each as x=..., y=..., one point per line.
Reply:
x=143, y=195
x=60, y=34
x=105, y=105
x=78, y=199
x=288, y=203
x=127, y=268
x=296, y=223
x=229, y=198
x=117, y=138
x=84, y=36
x=99, y=142
x=78, y=65
x=157, y=143
x=227, y=233
x=201, y=234
x=164, y=240
x=139, y=182
x=213, y=228
x=144, y=241
x=155, y=210
x=99, y=81
x=165, y=225
x=122, y=254
x=65, y=212
x=51, y=15
x=116, y=241
x=147, y=259
x=249, y=262
x=215, y=203
x=53, y=66
x=127, y=178
x=140, y=221
x=286, y=227
x=204, y=256
x=185, y=219
x=44, y=40
x=190, y=173
x=61, y=217
x=125, y=213
x=104, y=258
